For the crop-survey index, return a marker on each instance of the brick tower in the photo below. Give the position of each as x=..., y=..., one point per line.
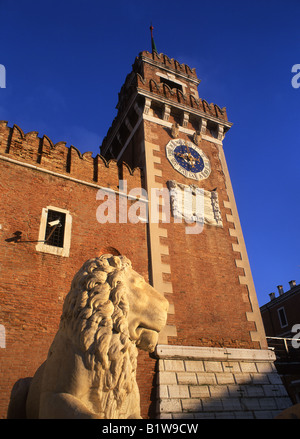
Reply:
x=214, y=340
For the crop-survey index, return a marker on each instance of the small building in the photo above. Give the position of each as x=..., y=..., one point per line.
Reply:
x=281, y=318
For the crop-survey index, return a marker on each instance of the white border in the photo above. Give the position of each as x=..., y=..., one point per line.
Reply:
x=45, y=248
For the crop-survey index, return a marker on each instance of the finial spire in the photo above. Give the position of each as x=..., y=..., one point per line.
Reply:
x=152, y=40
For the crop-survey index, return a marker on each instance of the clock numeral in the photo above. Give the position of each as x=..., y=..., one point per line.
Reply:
x=186, y=173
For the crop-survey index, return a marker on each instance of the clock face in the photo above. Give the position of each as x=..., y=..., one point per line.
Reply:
x=188, y=159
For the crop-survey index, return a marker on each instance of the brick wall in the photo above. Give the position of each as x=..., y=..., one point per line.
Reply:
x=210, y=302
x=34, y=284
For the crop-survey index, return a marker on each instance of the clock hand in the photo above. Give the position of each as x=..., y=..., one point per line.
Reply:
x=189, y=154
x=181, y=155
x=189, y=158
x=186, y=153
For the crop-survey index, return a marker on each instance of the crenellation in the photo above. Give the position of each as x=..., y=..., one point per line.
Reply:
x=186, y=98
x=140, y=79
x=81, y=165
x=46, y=145
x=59, y=158
x=24, y=146
x=134, y=177
x=101, y=168
x=108, y=175
x=169, y=62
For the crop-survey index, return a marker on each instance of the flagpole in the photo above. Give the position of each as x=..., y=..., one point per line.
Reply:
x=151, y=30
x=152, y=41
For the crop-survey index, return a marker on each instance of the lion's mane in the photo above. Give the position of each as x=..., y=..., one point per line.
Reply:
x=95, y=316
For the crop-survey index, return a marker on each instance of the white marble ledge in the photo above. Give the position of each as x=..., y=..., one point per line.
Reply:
x=210, y=353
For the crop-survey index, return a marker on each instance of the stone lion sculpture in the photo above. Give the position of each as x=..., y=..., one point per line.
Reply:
x=90, y=371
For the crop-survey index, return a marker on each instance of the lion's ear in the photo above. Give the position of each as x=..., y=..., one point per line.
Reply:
x=125, y=261
x=116, y=262
x=105, y=256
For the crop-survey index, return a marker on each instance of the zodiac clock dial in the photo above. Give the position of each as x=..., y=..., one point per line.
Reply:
x=188, y=159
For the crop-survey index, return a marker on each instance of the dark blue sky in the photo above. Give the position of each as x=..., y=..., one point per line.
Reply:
x=66, y=61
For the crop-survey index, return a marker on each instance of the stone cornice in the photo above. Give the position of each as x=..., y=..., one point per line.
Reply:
x=195, y=352
x=183, y=107
x=162, y=100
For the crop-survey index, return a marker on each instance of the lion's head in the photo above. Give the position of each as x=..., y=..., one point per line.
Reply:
x=109, y=311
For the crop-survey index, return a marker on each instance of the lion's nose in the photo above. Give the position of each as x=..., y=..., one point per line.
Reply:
x=166, y=304
x=163, y=302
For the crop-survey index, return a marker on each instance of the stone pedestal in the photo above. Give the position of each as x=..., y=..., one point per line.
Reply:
x=213, y=383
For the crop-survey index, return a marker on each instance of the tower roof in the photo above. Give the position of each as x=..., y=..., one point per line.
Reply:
x=166, y=83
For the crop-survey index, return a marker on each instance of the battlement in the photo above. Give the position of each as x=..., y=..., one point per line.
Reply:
x=137, y=81
x=178, y=96
x=67, y=161
x=170, y=63
x=142, y=81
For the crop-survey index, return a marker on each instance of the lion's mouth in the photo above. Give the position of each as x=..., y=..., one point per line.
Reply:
x=141, y=329
x=145, y=333
x=136, y=334
x=146, y=338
